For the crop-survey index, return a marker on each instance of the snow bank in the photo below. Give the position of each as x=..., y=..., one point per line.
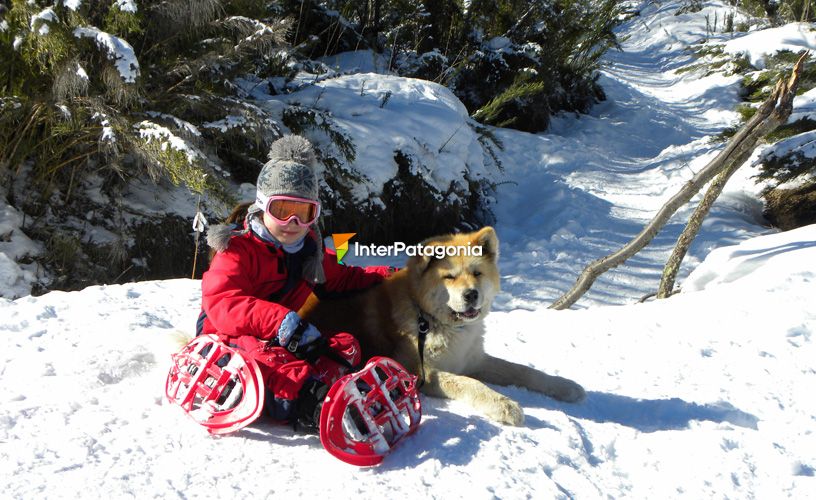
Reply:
x=759, y=44
x=757, y=260
x=804, y=106
x=384, y=114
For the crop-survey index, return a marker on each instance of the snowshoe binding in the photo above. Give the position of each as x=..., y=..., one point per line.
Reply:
x=215, y=385
x=365, y=414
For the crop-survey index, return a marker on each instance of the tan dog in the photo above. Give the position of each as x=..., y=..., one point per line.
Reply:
x=449, y=297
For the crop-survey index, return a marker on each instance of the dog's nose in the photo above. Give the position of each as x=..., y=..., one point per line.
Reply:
x=471, y=295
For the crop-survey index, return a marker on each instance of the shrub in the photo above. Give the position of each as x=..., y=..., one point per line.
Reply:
x=477, y=48
x=102, y=95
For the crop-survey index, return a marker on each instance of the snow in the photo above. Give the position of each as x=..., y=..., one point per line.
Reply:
x=679, y=403
x=803, y=144
x=15, y=245
x=117, y=49
x=39, y=21
x=804, y=106
x=154, y=132
x=794, y=37
x=755, y=260
x=188, y=127
x=703, y=395
x=127, y=6
x=108, y=134
x=82, y=73
x=227, y=123
x=72, y=4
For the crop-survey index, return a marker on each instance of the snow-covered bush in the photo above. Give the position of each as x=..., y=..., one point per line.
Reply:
x=787, y=168
x=761, y=57
x=512, y=63
x=781, y=11
x=117, y=115
x=533, y=59
x=99, y=97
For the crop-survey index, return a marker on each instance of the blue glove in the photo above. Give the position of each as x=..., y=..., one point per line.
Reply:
x=300, y=337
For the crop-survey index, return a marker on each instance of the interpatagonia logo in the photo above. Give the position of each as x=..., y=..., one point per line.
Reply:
x=341, y=244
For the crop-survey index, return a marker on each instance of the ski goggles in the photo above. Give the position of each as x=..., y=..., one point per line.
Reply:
x=283, y=209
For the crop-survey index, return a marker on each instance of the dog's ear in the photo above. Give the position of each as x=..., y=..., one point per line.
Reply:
x=420, y=263
x=487, y=239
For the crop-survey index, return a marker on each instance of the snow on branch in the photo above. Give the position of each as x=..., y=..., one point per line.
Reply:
x=39, y=21
x=127, y=6
x=150, y=132
x=118, y=50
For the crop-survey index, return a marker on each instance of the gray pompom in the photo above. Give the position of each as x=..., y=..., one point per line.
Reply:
x=293, y=148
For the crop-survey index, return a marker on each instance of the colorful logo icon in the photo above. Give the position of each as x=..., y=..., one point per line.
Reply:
x=341, y=244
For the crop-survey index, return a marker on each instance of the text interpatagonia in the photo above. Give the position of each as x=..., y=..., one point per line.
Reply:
x=399, y=248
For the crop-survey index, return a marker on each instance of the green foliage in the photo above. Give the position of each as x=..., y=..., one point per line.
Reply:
x=72, y=89
x=127, y=24
x=102, y=94
x=490, y=143
x=757, y=86
x=780, y=12
x=712, y=59
x=776, y=171
x=74, y=117
x=540, y=56
x=797, y=10
x=791, y=129
x=508, y=108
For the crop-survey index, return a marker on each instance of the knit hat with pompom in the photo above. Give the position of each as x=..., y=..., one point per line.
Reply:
x=290, y=171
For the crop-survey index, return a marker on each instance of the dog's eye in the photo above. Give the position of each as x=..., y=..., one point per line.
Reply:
x=477, y=273
x=449, y=277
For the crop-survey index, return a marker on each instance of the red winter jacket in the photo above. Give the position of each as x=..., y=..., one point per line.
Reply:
x=241, y=291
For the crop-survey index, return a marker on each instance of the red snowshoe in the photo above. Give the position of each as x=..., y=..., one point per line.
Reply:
x=365, y=414
x=215, y=385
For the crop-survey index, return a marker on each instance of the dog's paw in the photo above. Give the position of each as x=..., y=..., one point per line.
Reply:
x=507, y=412
x=568, y=391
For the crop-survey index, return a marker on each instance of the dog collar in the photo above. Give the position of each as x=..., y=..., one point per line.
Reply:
x=423, y=327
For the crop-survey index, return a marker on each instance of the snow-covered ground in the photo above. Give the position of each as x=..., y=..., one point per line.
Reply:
x=706, y=394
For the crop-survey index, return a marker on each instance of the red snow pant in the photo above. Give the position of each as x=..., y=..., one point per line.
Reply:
x=284, y=374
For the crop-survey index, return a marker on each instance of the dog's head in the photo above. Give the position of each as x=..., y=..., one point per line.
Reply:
x=456, y=277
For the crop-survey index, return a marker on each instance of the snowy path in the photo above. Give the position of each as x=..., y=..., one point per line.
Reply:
x=587, y=186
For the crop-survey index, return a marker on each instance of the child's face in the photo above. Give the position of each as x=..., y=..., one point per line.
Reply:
x=288, y=234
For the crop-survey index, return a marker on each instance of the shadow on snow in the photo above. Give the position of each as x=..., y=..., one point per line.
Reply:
x=646, y=415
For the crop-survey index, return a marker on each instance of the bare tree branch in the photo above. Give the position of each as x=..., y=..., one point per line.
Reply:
x=785, y=92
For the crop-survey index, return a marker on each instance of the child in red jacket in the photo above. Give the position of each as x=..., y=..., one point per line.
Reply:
x=262, y=274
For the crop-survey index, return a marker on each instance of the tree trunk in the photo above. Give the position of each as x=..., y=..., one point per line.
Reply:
x=785, y=93
x=771, y=113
